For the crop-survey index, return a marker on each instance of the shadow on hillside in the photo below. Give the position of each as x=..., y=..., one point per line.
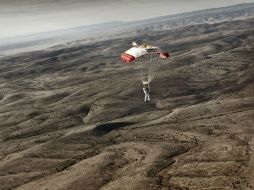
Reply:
x=105, y=128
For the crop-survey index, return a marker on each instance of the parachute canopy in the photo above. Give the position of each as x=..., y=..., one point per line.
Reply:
x=142, y=50
x=147, y=57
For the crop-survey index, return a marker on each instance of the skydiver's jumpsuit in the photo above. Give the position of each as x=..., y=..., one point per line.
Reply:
x=146, y=90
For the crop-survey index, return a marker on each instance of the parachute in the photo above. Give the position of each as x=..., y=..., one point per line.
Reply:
x=147, y=57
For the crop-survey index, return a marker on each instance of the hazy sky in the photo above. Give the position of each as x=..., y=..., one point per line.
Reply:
x=23, y=17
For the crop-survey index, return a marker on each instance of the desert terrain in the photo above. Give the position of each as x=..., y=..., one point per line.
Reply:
x=73, y=116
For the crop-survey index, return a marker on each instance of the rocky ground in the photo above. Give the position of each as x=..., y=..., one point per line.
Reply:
x=74, y=118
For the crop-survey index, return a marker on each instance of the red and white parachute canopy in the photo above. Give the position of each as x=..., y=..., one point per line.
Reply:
x=148, y=58
x=142, y=50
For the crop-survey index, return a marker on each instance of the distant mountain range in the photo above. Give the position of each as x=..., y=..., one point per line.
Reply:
x=215, y=15
x=109, y=29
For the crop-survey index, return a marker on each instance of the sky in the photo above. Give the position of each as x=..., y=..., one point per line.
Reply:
x=25, y=17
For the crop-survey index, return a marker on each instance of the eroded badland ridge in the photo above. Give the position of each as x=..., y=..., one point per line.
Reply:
x=73, y=117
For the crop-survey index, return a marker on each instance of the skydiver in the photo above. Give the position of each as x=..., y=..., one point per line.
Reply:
x=146, y=90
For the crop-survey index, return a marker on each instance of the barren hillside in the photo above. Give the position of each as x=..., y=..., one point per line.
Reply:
x=74, y=117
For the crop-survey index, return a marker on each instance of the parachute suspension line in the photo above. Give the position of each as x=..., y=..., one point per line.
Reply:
x=144, y=68
x=141, y=64
x=153, y=66
x=157, y=63
x=149, y=66
x=148, y=62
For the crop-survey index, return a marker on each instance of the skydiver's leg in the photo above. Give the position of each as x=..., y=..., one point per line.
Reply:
x=146, y=97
